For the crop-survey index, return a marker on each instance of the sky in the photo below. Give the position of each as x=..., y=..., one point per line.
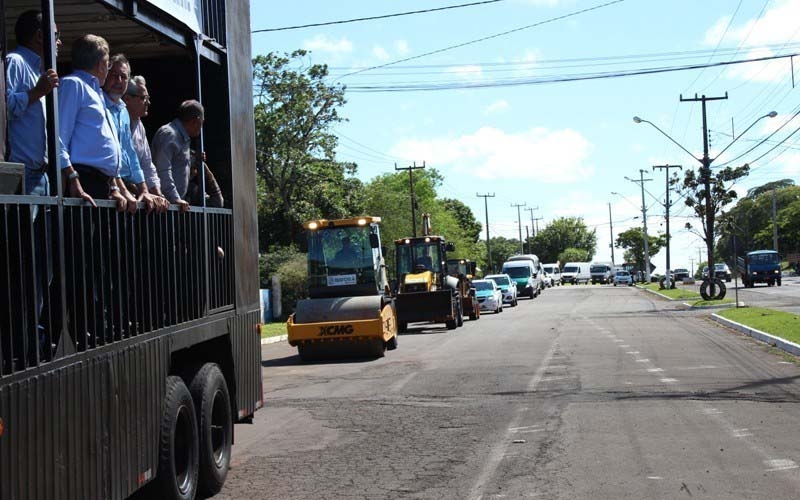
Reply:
x=505, y=98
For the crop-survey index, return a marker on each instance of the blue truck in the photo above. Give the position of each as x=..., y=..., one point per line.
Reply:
x=760, y=266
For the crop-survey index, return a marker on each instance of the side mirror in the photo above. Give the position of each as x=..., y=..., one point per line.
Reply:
x=374, y=242
x=449, y=247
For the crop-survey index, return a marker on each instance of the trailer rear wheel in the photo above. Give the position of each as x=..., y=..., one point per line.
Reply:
x=213, y=407
x=178, y=452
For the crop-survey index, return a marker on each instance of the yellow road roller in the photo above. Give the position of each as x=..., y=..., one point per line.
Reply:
x=349, y=311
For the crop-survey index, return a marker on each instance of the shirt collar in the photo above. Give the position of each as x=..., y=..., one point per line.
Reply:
x=181, y=129
x=114, y=106
x=89, y=79
x=30, y=57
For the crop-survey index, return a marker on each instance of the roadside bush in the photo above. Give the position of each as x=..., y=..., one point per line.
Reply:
x=292, y=274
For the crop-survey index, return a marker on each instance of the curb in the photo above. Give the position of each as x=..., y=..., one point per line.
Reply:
x=772, y=340
x=275, y=339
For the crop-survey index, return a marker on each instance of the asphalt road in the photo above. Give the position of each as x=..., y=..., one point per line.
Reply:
x=591, y=392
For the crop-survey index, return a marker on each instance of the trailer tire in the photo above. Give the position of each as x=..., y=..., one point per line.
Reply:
x=178, y=454
x=214, y=427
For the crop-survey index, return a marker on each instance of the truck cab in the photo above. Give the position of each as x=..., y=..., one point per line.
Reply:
x=760, y=266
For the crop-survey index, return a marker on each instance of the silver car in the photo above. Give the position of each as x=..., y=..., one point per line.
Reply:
x=623, y=278
x=507, y=287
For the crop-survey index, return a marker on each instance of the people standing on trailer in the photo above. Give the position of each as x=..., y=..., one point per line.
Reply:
x=137, y=101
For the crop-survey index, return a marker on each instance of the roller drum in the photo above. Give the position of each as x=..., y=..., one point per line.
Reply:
x=338, y=309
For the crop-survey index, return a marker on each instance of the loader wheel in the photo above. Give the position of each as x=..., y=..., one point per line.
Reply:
x=178, y=452
x=473, y=315
x=391, y=344
x=451, y=324
x=460, y=315
x=378, y=348
x=215, y=427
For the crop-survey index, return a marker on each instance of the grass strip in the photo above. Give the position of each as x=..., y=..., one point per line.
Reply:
x=779, y=323
x=676, y=293
x=273, y=329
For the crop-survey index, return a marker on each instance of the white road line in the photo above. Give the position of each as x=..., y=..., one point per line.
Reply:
x=655, y=370
x=499, y=450
x=643, y=360
x=740, y=433
x=632, y=352
x=669, y=380
x=779, y=464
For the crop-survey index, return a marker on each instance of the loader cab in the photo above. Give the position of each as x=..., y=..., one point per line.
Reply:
x=461, y=267
x=345, y=258
x=418, y=256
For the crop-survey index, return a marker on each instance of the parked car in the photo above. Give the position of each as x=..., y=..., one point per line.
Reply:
x=680, y=273
x=552, y=274
x=622, y=277
x=576, y=272
x=721, y=271
x=507, y=287
x=489, y=296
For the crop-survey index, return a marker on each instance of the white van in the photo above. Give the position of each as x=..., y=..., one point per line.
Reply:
x=576, y=272
x=552, y=274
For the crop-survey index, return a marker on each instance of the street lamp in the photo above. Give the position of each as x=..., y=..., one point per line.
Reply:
x=705, y=175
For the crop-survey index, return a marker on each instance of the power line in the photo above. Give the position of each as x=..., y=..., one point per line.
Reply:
x=372, y=18
x=478, y=40
x=413, y=87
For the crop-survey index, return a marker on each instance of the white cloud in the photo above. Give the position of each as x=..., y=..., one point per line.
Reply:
x=553, y=156
x=778, y=25
x=322, y=43
x=469, y=72
x=380, y=53
x=496, y=107
x=402, y=48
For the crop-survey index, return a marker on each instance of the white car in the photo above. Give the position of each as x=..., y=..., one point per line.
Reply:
x=507, y=287
x=489, y=295
x=623, y=278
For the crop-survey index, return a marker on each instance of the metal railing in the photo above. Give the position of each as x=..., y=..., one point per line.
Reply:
x=214, y=20
x=124, y=275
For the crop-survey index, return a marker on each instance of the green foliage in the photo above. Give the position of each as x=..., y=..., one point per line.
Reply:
x=293, y=275
x=389, y=197
x=298, y=178
x=779, y=323
x=751, y=220
x=632, y=241
x=552, y=242
x=502, y=249
x=573, y=255
x=694, y=191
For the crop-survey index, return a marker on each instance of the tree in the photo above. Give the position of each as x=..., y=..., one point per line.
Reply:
x=573, y=255
x=564, y=233
x=502, y=249
x=694, y=190
x=632, y=241
x=466, y=219
x=298, y=178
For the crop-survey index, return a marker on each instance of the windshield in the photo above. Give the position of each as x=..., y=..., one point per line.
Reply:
x=417, y=256
x=482, y=285
x=765, y=258
x=518, y=272
x=341, y=256
x=598, y=269
x=548, y=269
x=571, y=269
x=500, y=280
x=623, y=273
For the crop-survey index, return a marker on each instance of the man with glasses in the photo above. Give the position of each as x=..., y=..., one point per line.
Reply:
x=137, y=100
x=115, y=86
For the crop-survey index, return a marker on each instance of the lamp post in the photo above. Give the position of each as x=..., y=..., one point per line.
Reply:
x=644, y=223
x=705, y=175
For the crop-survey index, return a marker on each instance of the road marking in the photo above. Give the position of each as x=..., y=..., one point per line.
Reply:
x=618, y=340
x=701, y=367
x=655, y=477
x=740, y=433
x=711, y=411
x=625, y=346
x=643, y=360
x=557, y=377
x=655, y=370
x=669, y=380
x=499, y=450
x=632, y=352
x=779, y=464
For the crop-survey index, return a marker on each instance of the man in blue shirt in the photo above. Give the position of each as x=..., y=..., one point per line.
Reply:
x=89, y=154
x=116, y=85
x=26, y=86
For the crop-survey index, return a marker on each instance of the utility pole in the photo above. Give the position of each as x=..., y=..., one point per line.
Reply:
x=705, y=174
x=611, y=231
x=488, y=247
x=528, y=239
x=641, y=182
x=531, y=209
x=411, y=169
x=519, y=224
x=668, y=279
x=774, y=221
x=537, y=219
x=691, y=260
